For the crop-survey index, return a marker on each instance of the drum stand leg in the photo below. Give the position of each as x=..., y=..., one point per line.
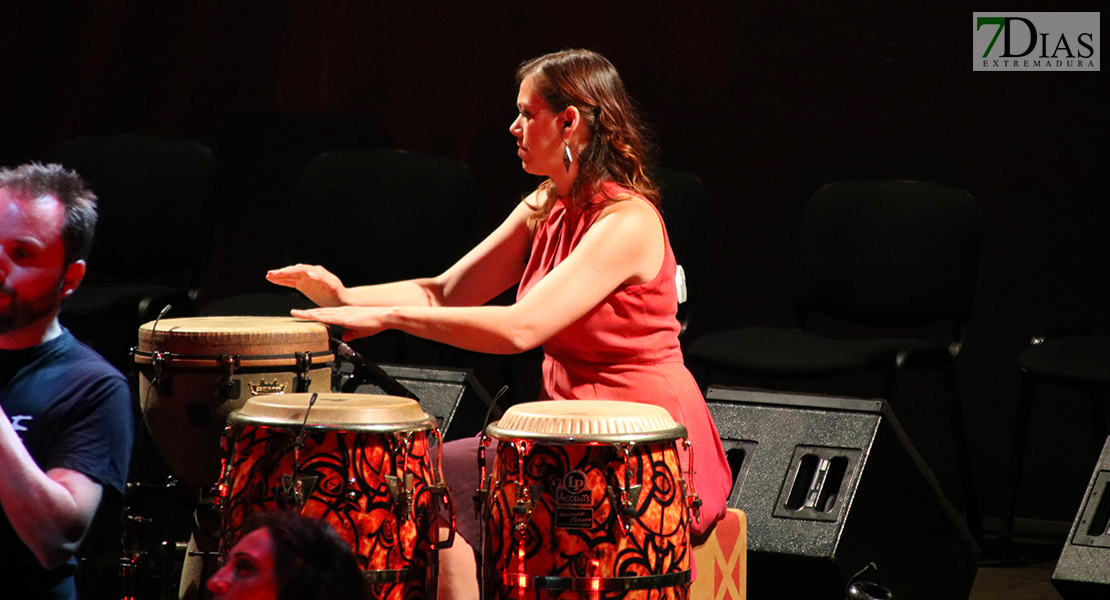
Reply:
x=201, y=555
x=135, y=552
x=128, y=563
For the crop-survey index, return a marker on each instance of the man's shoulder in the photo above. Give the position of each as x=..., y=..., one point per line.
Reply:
x=76, y=354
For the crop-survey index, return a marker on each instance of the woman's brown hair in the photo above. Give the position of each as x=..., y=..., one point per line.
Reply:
x=616, y=151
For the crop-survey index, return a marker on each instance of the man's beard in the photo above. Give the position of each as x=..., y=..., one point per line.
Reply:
x=22, y=313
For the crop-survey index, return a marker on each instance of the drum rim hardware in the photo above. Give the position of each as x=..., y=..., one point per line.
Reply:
x=294, y=485
x=391, y=427
x=398, y=575
x=686, y=480
x=557, y=439
x=626, y=497
x=589, y=422
x=596, y=584
x=302, y=360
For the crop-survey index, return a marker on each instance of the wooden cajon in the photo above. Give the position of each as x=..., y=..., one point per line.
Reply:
x=722, y=561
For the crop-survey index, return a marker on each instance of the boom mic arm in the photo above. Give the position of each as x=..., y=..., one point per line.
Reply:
x=373, y=373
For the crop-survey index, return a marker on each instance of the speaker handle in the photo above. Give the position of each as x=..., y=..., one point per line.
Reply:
x=866, y=590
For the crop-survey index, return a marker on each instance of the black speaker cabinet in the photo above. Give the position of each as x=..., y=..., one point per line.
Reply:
x=1083, y=570
x=453, y=396
x=835, y=494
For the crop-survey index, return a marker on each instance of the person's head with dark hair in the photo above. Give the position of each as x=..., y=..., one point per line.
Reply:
x=598, y=126
x=47, y=217
x=35, y=180
x=284, y=556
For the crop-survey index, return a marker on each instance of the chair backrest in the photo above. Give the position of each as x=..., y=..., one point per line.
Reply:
x=377, y=216
x=156, y=197
x=262, y=153
x=889, y=254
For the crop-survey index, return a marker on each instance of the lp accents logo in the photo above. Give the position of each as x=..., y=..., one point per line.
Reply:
x=1036, y=41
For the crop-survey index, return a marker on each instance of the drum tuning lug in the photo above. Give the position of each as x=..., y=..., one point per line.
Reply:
x=304, y=365
x=232, y=389
x=633, y=499
x=525, y=503
x=693, y=501
x=162, y=382
x=297, y=490
x=164, y=385
x=625, y=500
x=402, y=494
x=439, y=489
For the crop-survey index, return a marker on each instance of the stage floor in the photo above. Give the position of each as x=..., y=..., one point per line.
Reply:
x=1027, y=579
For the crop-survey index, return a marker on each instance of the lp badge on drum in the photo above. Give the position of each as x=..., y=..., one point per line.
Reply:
x=574, y=502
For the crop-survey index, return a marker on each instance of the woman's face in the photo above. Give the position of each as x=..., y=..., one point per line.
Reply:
x=249, y=572
x=539, y=132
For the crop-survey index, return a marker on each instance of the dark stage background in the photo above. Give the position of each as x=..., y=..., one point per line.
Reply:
x=765, y=101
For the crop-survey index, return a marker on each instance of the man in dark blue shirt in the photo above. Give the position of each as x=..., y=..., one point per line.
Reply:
x=65, y=413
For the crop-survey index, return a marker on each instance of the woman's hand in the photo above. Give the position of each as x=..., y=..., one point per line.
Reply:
x=359, y=321
x=317, y=283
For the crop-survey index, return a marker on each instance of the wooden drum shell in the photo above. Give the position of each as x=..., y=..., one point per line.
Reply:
x=193, y=372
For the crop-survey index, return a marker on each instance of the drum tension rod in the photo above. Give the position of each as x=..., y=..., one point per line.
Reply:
x=448, y=504
x=232, y=389
x=162, y=382
x=693, y=501
x=524, y=505
x=295, y=491
x=402, y=492
x=627, y=496
x=528, y=495
x=441, y=494
x=304, y=365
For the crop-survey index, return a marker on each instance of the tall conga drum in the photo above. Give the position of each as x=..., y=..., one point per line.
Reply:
x=586, y=499
x=362, y=462
x=193, y=372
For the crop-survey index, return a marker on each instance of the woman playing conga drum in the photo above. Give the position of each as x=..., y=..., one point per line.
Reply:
x=590, y=252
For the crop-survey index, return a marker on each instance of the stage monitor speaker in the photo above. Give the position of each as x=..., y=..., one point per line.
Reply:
x=1083, y=570
x=453, y=396
x=836, y=496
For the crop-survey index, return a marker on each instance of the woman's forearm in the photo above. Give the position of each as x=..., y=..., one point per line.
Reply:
x=413, y=292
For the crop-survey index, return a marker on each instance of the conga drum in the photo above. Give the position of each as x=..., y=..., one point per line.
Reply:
x=585, y=499
x=194, y=372
x=362, y=462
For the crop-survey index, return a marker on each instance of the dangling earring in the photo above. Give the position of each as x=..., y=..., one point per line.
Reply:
x=567, y=158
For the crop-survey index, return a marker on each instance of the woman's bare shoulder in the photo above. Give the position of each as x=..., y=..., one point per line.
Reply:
x=630, y=205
